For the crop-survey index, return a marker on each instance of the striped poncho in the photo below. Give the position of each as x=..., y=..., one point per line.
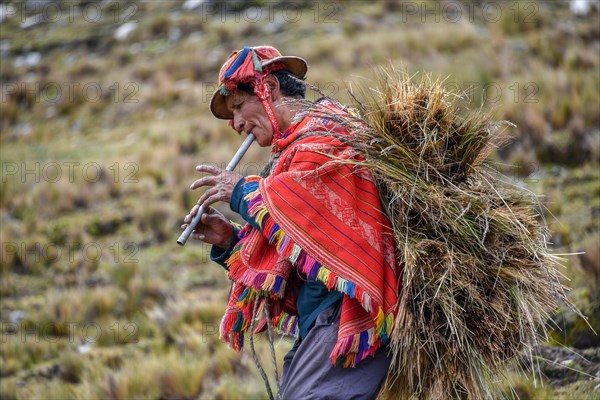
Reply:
x=324, y=217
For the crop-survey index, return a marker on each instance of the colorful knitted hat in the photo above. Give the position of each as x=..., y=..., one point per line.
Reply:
x=251, y=65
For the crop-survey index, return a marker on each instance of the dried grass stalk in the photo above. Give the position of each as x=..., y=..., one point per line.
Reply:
x=478, y=281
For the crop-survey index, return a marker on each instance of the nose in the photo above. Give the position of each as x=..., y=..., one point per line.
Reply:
x=238, y=122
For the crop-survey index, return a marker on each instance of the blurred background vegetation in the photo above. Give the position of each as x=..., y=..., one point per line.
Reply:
x=104, y=115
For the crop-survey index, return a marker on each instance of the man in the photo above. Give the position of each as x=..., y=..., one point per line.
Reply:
x=317, y=252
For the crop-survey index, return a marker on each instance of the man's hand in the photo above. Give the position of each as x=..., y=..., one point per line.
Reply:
x=223, y=182
x=213, y=227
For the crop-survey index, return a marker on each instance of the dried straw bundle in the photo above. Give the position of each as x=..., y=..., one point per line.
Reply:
x=478, y=280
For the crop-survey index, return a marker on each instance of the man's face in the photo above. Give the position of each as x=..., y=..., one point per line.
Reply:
x=250, y=116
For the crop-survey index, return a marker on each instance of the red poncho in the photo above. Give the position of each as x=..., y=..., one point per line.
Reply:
x=324, y=217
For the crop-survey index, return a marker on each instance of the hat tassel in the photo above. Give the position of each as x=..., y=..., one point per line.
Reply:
x=257, y=64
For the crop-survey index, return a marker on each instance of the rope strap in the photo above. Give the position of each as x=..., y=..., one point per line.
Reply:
x=261, y=88
x=263, y=374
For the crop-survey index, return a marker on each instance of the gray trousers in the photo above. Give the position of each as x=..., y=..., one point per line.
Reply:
x=308, y=372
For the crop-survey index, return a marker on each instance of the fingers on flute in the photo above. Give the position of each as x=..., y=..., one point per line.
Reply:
x=212, y=198
x=197, y=235
x=207, y=180
x=184, y=227
x=204, y=218
x=188, y=218
x=208, y=197
x=210, y=216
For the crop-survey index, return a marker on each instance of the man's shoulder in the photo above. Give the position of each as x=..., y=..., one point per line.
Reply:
x=322, y=130
x=316, y=140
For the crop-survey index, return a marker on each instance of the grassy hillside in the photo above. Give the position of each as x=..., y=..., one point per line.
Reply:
x=104, y=115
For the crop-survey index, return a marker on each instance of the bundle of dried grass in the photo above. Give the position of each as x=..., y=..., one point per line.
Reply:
x=478, y=280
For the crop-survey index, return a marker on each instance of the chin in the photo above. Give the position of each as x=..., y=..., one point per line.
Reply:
x=263, y=141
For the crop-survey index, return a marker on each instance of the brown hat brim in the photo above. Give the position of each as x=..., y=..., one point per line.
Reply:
x=295, y=65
